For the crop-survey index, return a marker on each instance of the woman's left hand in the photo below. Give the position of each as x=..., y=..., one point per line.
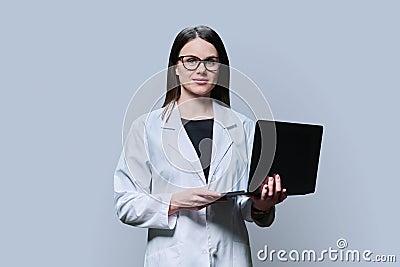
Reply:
x=271, y=193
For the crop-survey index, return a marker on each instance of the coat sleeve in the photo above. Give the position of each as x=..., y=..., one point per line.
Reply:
x=245, y=204
x=134, y=203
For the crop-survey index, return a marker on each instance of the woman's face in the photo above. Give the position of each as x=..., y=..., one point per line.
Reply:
x=197, y=82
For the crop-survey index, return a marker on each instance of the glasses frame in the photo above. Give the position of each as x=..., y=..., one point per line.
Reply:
x=204, y=61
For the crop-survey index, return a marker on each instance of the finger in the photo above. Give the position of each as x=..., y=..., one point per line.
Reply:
x=208, y=201
x=216, y=194
x=265, y=181
x=270, y=187
x=211, y=197
x=209, y=193
x=277, y=183
x=264, y=192
x=277, y=187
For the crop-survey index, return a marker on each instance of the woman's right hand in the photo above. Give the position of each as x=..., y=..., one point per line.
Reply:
x=193, y=199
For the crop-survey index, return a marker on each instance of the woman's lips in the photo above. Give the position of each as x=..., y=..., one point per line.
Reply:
x=200, y=81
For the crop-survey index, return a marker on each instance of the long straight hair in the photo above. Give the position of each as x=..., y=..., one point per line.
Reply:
x=220, y=91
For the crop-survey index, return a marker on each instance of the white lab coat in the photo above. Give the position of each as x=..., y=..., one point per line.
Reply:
x=159, y=159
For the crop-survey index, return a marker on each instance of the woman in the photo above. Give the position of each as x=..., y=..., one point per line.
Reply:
x=177, y=160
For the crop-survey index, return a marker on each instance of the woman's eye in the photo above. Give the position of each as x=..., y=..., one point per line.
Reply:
x=191, y=60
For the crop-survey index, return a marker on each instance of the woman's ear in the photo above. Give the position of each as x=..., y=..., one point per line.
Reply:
x=176, y=70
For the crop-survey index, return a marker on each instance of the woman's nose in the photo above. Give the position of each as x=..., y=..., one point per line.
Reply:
x=202, y=68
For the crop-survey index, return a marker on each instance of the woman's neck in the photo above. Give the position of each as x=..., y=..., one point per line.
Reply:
x=196, y=108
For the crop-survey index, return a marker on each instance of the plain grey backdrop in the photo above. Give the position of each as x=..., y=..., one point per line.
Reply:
x=69, y=68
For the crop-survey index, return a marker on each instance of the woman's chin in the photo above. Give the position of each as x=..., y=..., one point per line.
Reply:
x=202, y=93
x=203, y=90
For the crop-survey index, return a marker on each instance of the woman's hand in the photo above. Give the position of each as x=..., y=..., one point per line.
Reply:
x=271, y=193
x=193, y=199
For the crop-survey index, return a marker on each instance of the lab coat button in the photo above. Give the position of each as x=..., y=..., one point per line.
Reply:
x=213, y=251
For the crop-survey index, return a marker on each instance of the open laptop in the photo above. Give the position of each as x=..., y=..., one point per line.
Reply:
x=289, y=149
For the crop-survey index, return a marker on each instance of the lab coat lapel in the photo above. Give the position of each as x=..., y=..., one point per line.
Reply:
x=225, y=124
x=179, y=148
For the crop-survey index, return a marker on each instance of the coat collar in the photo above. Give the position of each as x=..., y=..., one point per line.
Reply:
x=180, y=151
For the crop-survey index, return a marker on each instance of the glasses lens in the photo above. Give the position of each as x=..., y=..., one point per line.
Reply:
x=212, y=64
x=190, y=63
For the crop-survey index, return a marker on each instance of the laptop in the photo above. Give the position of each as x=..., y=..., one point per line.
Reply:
x=289, y=149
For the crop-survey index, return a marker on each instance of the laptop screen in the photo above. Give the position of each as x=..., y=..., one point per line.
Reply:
x=292, y=151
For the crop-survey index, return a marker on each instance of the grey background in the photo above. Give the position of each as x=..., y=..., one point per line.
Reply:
x=69, y=68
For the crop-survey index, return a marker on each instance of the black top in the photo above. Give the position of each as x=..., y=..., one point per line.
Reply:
x=200, y=133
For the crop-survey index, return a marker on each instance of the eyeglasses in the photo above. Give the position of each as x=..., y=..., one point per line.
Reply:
x=192, y=62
